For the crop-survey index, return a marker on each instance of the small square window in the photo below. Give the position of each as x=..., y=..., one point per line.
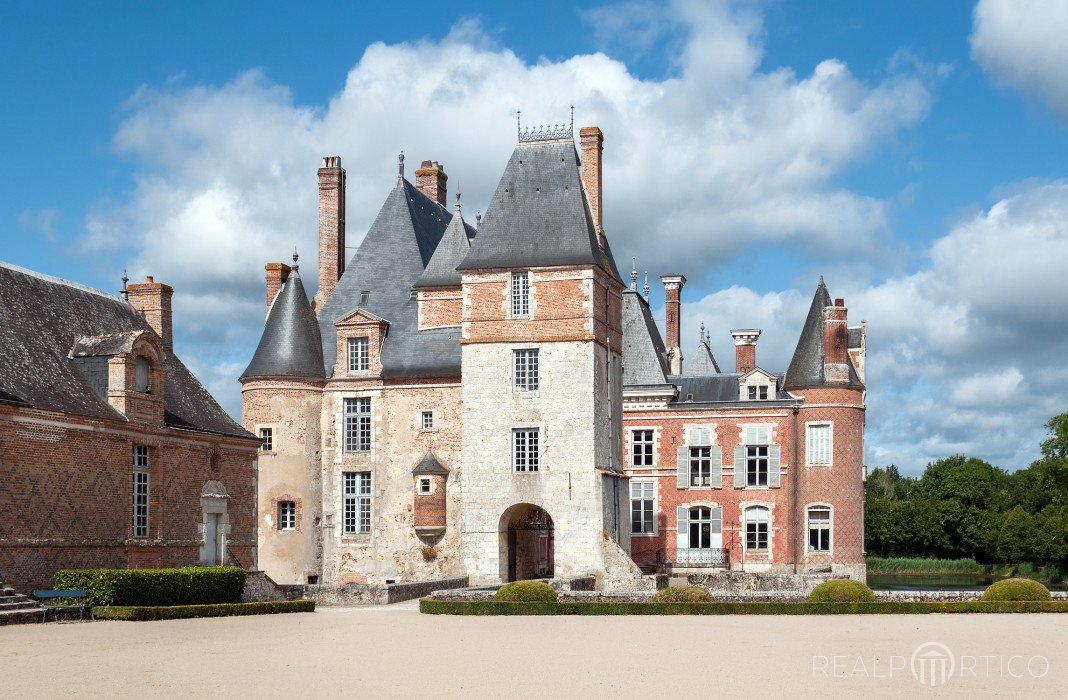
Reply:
x=266, y=439
x=426, y=485
x=287, y=515
x=427, y=420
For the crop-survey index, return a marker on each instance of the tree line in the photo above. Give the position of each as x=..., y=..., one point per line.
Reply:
x=965, y=507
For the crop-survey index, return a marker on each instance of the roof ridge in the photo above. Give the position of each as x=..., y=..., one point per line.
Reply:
x=59, y=280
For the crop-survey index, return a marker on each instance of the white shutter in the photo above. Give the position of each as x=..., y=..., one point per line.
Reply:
x=717, y=467
x=773, y=466
x=717, y=521
x=699, y=437
x=682, y=468
x=739, y=466
x=682, y=529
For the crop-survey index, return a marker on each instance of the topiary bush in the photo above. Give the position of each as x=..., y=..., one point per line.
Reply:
x=526, y=592
x=683, y=594
x=1016, y=589
x=842, y=590
x=190, y=585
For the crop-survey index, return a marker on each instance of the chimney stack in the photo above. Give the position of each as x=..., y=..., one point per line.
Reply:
x=152, y=300
x=331, y=228
x=277, y=274
x=430, y=179
x=835, y=343
x=673, y=285
x=745, y=340
x=591, y=140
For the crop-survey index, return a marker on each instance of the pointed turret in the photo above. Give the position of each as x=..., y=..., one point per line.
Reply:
x=454, y=246
x=290, y=346
x=808, y=368
x=704, y=362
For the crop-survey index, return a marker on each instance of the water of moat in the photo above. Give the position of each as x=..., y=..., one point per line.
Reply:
x=940, y=582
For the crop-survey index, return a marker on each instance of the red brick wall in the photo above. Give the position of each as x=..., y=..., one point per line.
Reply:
x=69, y=495
x=440, y=307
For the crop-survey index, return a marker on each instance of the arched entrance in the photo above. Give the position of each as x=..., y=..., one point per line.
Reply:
x=526, y=543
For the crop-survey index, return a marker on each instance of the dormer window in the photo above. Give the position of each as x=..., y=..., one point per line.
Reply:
x=364, y=296
x=758, y=393
x=142, y=373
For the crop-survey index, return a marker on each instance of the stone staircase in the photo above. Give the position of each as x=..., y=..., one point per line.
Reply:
x=16, y=608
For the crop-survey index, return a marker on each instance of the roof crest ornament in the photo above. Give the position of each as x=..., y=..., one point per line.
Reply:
x=478, y=219
x=548, y=132
x=457, y=200
x=634, y=274
x=296, y=257
x=125, y=278
x=702, y=332
x=645, y=287
x=400, y=165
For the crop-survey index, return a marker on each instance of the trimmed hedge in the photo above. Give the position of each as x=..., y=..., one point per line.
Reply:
x=432, y=606
x=1016, y=589
x=190, y=585
x=180, y=612
x=683, y=594
x=525, y=592
x=842, y=590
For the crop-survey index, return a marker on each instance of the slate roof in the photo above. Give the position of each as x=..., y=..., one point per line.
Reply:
x=454, y=246
x=390, y=260
x=429, y=464
x=290, y=346
x=716, y=389
x=702, y=363
x=538, y=217
x=42, y=319
x=644, y=355
x=806, y=366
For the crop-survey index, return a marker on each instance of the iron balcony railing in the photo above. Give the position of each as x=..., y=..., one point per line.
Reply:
x=694, y=557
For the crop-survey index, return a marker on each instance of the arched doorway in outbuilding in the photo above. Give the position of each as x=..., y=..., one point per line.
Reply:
x=526, y=543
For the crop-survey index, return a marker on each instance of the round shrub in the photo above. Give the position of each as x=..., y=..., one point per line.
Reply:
x=526, y=592
x=1016, y=589
x=683, y=594
x=842, y=590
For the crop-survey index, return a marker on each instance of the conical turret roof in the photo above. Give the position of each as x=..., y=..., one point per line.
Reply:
x=454, y=246
x=806, y=366
x=290, y=345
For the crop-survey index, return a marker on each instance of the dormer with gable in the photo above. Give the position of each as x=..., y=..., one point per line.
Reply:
x=757, y=385
x=360, y=336
x=130, y=367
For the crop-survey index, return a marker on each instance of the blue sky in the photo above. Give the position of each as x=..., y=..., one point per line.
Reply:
x=912, y=152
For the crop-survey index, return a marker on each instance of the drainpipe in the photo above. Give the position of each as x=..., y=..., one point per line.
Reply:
x=794, y=489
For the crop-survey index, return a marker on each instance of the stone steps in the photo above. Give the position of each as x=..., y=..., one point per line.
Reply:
x=17, y=609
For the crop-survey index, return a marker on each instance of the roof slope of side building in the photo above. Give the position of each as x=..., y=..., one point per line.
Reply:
x=644, y=354
x=42, y=318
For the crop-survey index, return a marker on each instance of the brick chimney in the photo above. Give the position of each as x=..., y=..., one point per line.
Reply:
x=331, y=227
x=430, y=179
x=277, y=274
x=592, y=141
x=835, y=343
x=745, y=340
x=673, y=285
x=152, y=300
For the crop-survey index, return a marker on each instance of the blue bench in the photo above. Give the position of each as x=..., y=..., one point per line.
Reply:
x=46, y=595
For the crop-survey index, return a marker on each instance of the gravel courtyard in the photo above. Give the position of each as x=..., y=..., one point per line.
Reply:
x=396, y=652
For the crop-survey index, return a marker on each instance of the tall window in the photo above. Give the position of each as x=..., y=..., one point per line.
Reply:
x=700, y=528
x=525, y=369
x=266, y=439
x=701, y=466
x=356, y=505
x=756, y=456
x=140, y=490
x=642, y=507
x=525, y=456
x=359, y=357
x=819, y=529
x=520, y=293
x=756, y=528
x=287, y=515
x=142, y=370
x=641, y=448
x=818, y=444
x=358, y=425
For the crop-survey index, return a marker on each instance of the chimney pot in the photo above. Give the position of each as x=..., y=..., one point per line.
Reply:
x=673, y=285
x=839, y=302
x=430, y=179
x=745, y=340
x=277, y=274
x=592, y=141
x=331, y=228
x=152, y=300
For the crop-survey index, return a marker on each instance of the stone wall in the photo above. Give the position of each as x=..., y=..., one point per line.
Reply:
x=352, y=594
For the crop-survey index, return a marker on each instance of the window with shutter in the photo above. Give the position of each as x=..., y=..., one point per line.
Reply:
x=717, y=467
x=682, y=529
x=682, y=468
x=818, y=444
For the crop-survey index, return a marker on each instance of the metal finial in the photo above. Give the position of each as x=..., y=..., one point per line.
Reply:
x=702, y=331
x=645, y=288
x=478, y=219
x=400, y=165
x=518, y=124
x=821, y=280
x=296, y=257
x=125, y=278
x=457, y=199
x=572, y=118
x=634, y=274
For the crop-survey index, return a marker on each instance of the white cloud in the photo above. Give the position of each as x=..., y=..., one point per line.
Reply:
x=1021, y=43
x=964, y=355
x=700, y=164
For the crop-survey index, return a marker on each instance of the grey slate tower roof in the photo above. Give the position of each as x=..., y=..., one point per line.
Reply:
x=702, y=364
x=42, y=320
x=454, y=246
x=644, y=355
x=429, y=464
x=538, y=216
x=390, y=260
x=290, y=345
x=806, y=366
